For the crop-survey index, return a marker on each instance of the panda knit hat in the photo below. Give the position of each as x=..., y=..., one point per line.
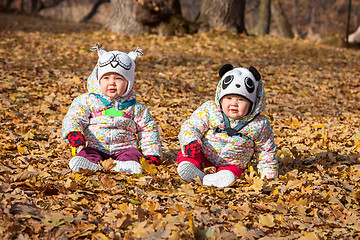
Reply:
x=117, y=62
x=239, y=81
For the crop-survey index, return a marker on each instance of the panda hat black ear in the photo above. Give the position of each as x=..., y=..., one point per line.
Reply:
x=255, y=73
x=227, y=67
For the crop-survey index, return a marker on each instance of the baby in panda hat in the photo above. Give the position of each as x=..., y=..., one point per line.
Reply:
x=228, y=132
x=108, y=121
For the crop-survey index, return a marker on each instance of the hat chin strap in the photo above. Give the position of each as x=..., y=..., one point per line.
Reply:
x=250, y=109
x=128, y=89
x=228, y=129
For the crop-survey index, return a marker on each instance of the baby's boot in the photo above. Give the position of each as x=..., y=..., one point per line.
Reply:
x=188, y=171
x=223, y=178
x=127, y=166
x=80, y=162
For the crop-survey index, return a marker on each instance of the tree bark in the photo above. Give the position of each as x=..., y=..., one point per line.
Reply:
x=133, y=17
x=93, y=10
x=280, y=19
x=264, y=18
x=123, y=18
x=222, y=14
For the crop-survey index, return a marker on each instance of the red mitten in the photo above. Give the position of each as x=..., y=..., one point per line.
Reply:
x=76, y=139
x=193, y=149
x=153, y=159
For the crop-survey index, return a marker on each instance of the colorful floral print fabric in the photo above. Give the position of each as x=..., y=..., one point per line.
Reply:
x=135, y=129
x=255, y=142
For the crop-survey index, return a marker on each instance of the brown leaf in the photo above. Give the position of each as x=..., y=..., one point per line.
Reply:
x=108, y=164
x=123, y=222
x=70, y=184
x=107, y=182
x=22, y=176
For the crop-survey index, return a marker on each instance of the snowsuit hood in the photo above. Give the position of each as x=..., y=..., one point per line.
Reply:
x=243, y=77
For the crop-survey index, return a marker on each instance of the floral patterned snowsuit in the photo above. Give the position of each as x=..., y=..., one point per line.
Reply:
x=256, y=139
x=135, y=129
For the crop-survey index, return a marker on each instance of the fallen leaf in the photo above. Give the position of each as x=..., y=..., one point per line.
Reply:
x=267, y=220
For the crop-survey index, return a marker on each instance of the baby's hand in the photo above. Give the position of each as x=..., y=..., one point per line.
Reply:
x=153, y=159
x=193, y=149
x=76, y=139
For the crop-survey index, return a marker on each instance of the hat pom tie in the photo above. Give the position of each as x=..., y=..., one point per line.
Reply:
x=95, y=47
x=136, y=54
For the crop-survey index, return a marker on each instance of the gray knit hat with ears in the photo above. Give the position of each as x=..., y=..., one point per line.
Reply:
x=239, y=81
x=117, y=62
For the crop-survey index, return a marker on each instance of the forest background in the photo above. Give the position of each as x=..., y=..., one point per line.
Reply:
x=313, y=105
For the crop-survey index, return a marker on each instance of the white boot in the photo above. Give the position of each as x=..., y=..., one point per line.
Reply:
x=80, y=162
x=223, y=178
x=127, y=166
x=188, y=171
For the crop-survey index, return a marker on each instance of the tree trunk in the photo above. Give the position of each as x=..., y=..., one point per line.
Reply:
x=123, y=18
x=133, y=17
x=280, y=19
x=222, y=14
x=263, y=25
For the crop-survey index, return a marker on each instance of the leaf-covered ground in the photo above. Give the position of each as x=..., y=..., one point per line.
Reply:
x=313, y=104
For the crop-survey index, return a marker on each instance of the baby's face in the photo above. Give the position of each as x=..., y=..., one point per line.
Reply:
x=235, y=106
x=113, y=85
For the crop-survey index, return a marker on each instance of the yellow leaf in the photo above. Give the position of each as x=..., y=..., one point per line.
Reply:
x=240, y=229
x=257, y=184
x=28, y=135
x=309, y=236
x=140, y=229
x=357, y=146
x=279, y=218
x=153, y=206
x=98, y=235
x=191, y=222
x=267, y=220
x=180, y=208
x=201, y=89
x=186, y=190
x=75, y=196
x=21, y=150
x=76, y=80
x=78, y=176
x=317, y=125
x=357, y=195
x=148, y=167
